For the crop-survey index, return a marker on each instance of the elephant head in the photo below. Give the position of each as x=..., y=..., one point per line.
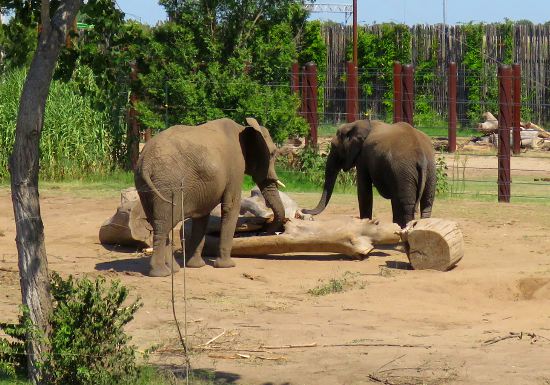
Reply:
x=345, y=148
x=259, y=153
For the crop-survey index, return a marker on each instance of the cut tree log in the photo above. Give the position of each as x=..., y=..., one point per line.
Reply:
x=433, y=243
x=129, y=226
x=349, y=236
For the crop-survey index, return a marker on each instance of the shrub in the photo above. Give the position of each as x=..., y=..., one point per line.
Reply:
x=87, y=344
x=442, y=178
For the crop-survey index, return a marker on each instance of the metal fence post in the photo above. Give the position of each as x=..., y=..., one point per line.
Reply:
x=295, y=78
x=351, y=93
x=516, y=71
x=504, y=124
x=408, y=93
x=311, y=103
x=451, y=147
x=397, y=93
x=303, y=92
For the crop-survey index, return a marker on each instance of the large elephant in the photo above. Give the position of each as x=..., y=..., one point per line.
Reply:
x=208, y=163
x=397, y=159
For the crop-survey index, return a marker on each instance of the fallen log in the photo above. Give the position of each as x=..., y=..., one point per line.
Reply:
x=129, y=226
x=350, y=236
x=433, y=243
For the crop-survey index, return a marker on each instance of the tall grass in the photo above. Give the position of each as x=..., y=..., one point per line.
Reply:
x=75, y=140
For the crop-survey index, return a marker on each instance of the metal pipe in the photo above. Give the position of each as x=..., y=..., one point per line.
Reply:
x=452, y=107
x=504, y=124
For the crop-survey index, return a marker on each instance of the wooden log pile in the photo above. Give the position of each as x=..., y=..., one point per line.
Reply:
x=435, y=244
x=533, y=136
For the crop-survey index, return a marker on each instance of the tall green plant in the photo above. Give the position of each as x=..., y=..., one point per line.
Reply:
x=76, y=139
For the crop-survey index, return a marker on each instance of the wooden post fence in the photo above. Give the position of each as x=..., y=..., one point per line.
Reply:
x=397, y=93
x=311, y=103
x=352, y=86
x=504, y=124
x=516, y=72
x=451, y=147
x=408, y=93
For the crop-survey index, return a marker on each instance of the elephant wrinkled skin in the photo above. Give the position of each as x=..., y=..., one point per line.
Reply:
x=397, y=159
x=208, y=163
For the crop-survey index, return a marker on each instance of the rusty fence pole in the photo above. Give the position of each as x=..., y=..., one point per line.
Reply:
x=303, y=92
x=516, y=94
x=408, y=93
x=133, y=131
x=397, y=93
x=311, y=103
x=351, y=93
x=451, y=147
x=504, y=124
x=295, y=78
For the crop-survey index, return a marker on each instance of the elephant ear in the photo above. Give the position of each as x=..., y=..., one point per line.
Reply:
x=352, y=136
x=254, y=144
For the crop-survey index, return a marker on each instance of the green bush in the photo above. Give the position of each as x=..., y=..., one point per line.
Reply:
x=76, y=139
x=442, y=178
x=308, y=166
x=87, y=344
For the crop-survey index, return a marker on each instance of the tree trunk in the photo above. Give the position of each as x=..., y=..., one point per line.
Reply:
x=33, y=264
x=433, y=243
x=351, y=236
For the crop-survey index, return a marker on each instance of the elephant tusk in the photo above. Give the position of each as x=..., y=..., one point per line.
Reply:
x=280, y=183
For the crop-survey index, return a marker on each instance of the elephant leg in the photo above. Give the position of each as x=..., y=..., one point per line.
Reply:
x=427, y=198
x=364, y=194
x=403, y=212
x=158, y=259
x=169, y=259
x=198, y=232
x=230, y=213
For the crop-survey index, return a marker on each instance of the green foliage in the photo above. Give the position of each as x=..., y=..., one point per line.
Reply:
x=308, y=166
x=76, y=139
x=87, y=344
x=442, y=177
x=174, y=91
x=337, y=285
x=13, y=359
x=376, y=54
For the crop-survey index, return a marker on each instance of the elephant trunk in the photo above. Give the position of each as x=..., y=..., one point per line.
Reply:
x=331, y=172
x=273, y=200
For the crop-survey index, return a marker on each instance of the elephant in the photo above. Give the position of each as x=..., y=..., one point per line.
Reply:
x=205, y=165
x=397, y=159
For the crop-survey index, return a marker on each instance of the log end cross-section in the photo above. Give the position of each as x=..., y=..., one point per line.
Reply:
x=433, y=243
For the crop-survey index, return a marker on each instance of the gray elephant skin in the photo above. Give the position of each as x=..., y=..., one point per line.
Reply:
x=207, y=163
x=397, y=159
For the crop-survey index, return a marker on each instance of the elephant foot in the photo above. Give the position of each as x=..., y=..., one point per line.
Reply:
x=195, y=262
x=224, y=262
x=160, y=271
x=175, y=267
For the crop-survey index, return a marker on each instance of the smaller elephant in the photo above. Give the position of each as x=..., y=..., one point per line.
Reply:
x=188, y=170
x=397, y=159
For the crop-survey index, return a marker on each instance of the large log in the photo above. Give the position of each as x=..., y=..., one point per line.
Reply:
x=129, y=226
x=349, y=236
x=433, y=243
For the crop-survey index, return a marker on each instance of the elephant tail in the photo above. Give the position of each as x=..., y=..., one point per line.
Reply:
x=422, y=169
x=147, y=179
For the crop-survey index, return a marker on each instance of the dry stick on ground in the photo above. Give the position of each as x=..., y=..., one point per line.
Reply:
x=379, y=344
x=214, y=339
x=519, y=336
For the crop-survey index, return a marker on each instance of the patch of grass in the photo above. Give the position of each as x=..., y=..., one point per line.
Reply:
x=347, y=282
x=13, y=381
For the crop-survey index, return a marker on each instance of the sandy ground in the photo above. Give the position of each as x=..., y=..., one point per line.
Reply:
x=395, y=325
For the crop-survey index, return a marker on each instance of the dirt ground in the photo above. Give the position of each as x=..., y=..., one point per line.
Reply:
x=392, y=325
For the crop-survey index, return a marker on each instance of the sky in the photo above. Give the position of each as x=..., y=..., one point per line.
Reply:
x=398, y=11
